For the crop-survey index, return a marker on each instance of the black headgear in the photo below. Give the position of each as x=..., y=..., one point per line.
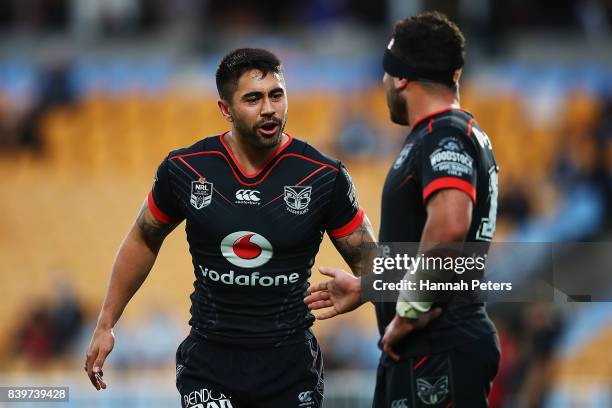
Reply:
x=394, y=66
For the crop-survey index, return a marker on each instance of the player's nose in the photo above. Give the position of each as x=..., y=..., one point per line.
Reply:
x=267, y=109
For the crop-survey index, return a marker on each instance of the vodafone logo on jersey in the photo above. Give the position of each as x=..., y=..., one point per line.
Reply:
x=246, y=249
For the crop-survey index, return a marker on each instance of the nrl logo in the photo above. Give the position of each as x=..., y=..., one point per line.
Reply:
x=201, y=193
x=297, y=198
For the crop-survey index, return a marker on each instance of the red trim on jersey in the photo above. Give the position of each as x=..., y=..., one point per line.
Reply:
x=192, y=169
x=449, y=182
x=469, y=129
x=349, y=227
x=222, y=196
x=242, y=171
x=303, y=158
x=296, y=184
x=201, y=176
x=159, y=214
x=207, y=152
x=309, y=176
x=236, y=174
x=429, y=115
x=430, y=125
x=421, y=361
x=404, y=181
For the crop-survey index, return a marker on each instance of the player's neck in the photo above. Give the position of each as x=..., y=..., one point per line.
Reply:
x=250, y=158
x=424, y=104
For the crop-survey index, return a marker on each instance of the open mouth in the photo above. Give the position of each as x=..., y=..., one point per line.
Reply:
x=268, y=128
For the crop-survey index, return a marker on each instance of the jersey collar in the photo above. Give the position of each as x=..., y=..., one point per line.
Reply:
x=240, y=169
x=432, y=114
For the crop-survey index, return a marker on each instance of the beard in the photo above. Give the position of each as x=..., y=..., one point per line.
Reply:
x=398, y=108
x=255, y=139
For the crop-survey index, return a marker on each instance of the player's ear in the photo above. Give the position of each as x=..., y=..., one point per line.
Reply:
x=225, y=109
x=400, y=83
x=457, y=75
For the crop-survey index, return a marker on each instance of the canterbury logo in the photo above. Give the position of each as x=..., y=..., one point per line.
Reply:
x=400, y=403
x=248, y=195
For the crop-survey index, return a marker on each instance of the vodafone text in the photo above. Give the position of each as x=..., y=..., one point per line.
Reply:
x=252, y=279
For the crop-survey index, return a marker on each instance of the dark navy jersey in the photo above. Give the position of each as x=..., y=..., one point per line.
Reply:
x=253, y=237
x=446, y=149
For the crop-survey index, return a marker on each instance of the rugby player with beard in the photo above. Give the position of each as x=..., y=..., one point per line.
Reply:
x=256, y=204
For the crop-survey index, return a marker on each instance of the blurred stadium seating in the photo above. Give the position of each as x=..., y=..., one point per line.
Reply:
x=81, y=136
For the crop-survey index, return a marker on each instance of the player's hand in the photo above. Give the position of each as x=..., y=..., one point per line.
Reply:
x=342, y=293
x=400, y=327
x=102, y=343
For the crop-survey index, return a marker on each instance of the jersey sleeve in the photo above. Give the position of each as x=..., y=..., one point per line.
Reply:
x=162, y=202
x=448, y=161
x=344, y=215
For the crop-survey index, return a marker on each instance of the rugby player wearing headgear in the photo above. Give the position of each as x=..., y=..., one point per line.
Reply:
x=441, y=189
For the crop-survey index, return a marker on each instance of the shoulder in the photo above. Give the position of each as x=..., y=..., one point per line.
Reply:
x=308, y=152
x=456, y=121
x=210, y=143
x=454, y=127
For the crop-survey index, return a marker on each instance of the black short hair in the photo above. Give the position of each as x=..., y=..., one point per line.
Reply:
x=238, y=62
x=429, y=41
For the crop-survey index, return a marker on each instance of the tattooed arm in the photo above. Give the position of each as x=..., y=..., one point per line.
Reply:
x=342, y=293
x=132, y=265
x=355, y=247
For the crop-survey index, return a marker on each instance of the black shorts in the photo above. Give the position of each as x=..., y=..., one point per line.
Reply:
x=214, y=375
x=457, y=378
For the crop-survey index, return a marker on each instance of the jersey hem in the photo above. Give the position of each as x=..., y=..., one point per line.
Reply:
x=252, y=342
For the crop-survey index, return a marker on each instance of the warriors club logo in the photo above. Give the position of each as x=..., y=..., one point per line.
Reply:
x=297, y=198
x=433, y=390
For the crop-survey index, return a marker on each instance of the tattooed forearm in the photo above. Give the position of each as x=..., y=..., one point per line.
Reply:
x=356, y=247
x=152, y=231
